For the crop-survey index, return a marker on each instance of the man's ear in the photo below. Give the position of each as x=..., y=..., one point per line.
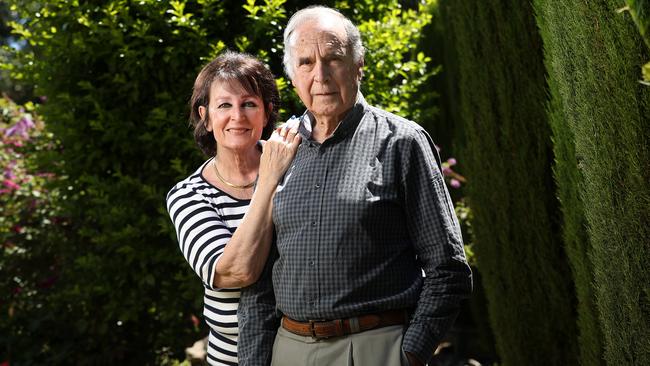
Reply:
x=360, y=69
x=202, y=113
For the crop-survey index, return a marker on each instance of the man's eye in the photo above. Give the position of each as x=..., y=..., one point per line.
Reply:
x=304, y=62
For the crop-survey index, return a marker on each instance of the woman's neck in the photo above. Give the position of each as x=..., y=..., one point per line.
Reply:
x=240, y=167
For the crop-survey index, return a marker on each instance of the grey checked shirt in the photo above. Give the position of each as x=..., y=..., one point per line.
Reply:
x=357, y=219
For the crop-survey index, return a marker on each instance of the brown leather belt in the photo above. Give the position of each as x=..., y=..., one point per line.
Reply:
x=335, y=328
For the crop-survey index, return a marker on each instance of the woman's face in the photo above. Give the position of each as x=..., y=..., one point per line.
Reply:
x=235, y=117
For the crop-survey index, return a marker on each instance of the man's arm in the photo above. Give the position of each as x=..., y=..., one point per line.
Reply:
x=257, y=318
x=435, y=232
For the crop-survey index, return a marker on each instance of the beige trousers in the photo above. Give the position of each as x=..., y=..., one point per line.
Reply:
x=376, y=347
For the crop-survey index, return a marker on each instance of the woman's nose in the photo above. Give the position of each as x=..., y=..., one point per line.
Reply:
x=236, y=113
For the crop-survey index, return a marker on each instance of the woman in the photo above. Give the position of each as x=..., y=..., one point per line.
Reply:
x=222, y=212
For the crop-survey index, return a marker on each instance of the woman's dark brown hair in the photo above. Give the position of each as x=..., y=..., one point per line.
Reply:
x=229, y=67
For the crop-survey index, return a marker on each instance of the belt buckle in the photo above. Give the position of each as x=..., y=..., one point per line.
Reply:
x=312, y=330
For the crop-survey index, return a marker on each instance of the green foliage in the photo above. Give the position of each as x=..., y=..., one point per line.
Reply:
x=397, y=69
x=499, y=74
x=640, y=13
x=31, y=227
x=593, y=55
x=118, y=76
x=15, y=89
x=570, y=182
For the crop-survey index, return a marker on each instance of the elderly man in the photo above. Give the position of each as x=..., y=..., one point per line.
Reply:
x=360, y=214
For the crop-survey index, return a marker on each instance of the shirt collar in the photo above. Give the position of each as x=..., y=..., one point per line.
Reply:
x=347, y=125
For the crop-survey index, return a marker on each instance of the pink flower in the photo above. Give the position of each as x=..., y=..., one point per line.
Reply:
x=48, y=282
x=21, y=127
x=446, y=171
x=455, y=183
x=195, y=321
x=9, y=174
x=10, y=184
x=451, y=161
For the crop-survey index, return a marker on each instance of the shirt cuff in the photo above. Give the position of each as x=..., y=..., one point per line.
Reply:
x=419, y=341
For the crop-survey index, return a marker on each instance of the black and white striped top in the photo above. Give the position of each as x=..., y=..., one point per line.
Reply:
x=205, y=219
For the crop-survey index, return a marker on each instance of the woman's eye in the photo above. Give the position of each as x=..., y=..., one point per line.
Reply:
x=250, y=104
x=224, y=105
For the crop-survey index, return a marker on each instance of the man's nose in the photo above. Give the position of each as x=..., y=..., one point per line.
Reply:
x=321, y=72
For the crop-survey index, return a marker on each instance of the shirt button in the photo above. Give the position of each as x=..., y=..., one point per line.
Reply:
x=312, y=262
x=316, y=186
x=313, y=223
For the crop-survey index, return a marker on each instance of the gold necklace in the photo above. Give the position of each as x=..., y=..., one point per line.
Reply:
x=214, y=165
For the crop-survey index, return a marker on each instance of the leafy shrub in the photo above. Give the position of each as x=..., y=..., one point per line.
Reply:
x=118, y=76
x=30, y=227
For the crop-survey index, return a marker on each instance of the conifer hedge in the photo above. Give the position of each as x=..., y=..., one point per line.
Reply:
x=594, y=54
x=508, y=158
x=570, y=183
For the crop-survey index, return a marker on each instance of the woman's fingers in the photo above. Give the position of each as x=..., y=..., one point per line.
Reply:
x=290, y=134
x=295, y=142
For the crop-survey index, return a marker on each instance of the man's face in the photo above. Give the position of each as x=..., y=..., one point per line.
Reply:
x=325, y=74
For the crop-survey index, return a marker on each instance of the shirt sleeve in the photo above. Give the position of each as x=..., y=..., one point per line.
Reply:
x=202, y=234
x=258, y=319
x=435, y=232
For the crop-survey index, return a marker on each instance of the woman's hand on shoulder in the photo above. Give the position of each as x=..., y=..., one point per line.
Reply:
x=278, y=151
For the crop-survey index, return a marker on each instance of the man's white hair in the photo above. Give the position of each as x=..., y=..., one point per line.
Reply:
x=314, y=13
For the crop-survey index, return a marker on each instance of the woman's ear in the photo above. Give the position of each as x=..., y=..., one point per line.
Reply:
x=269, y=110
x=203, y=113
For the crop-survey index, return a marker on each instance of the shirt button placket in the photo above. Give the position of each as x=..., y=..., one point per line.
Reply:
x=317, y=193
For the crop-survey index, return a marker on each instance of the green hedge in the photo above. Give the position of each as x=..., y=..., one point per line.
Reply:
x=118, y=75
x=594, y=55
x=570, y=183
x=508, y=157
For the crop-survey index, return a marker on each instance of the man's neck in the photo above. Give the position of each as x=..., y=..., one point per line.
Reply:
x=324, y=126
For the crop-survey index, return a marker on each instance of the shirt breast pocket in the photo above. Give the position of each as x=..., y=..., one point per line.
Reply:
x=380, y=183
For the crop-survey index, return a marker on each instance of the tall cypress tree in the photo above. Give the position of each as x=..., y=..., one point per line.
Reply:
x=595, y=55
x=570, y=182
x=508, y=158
